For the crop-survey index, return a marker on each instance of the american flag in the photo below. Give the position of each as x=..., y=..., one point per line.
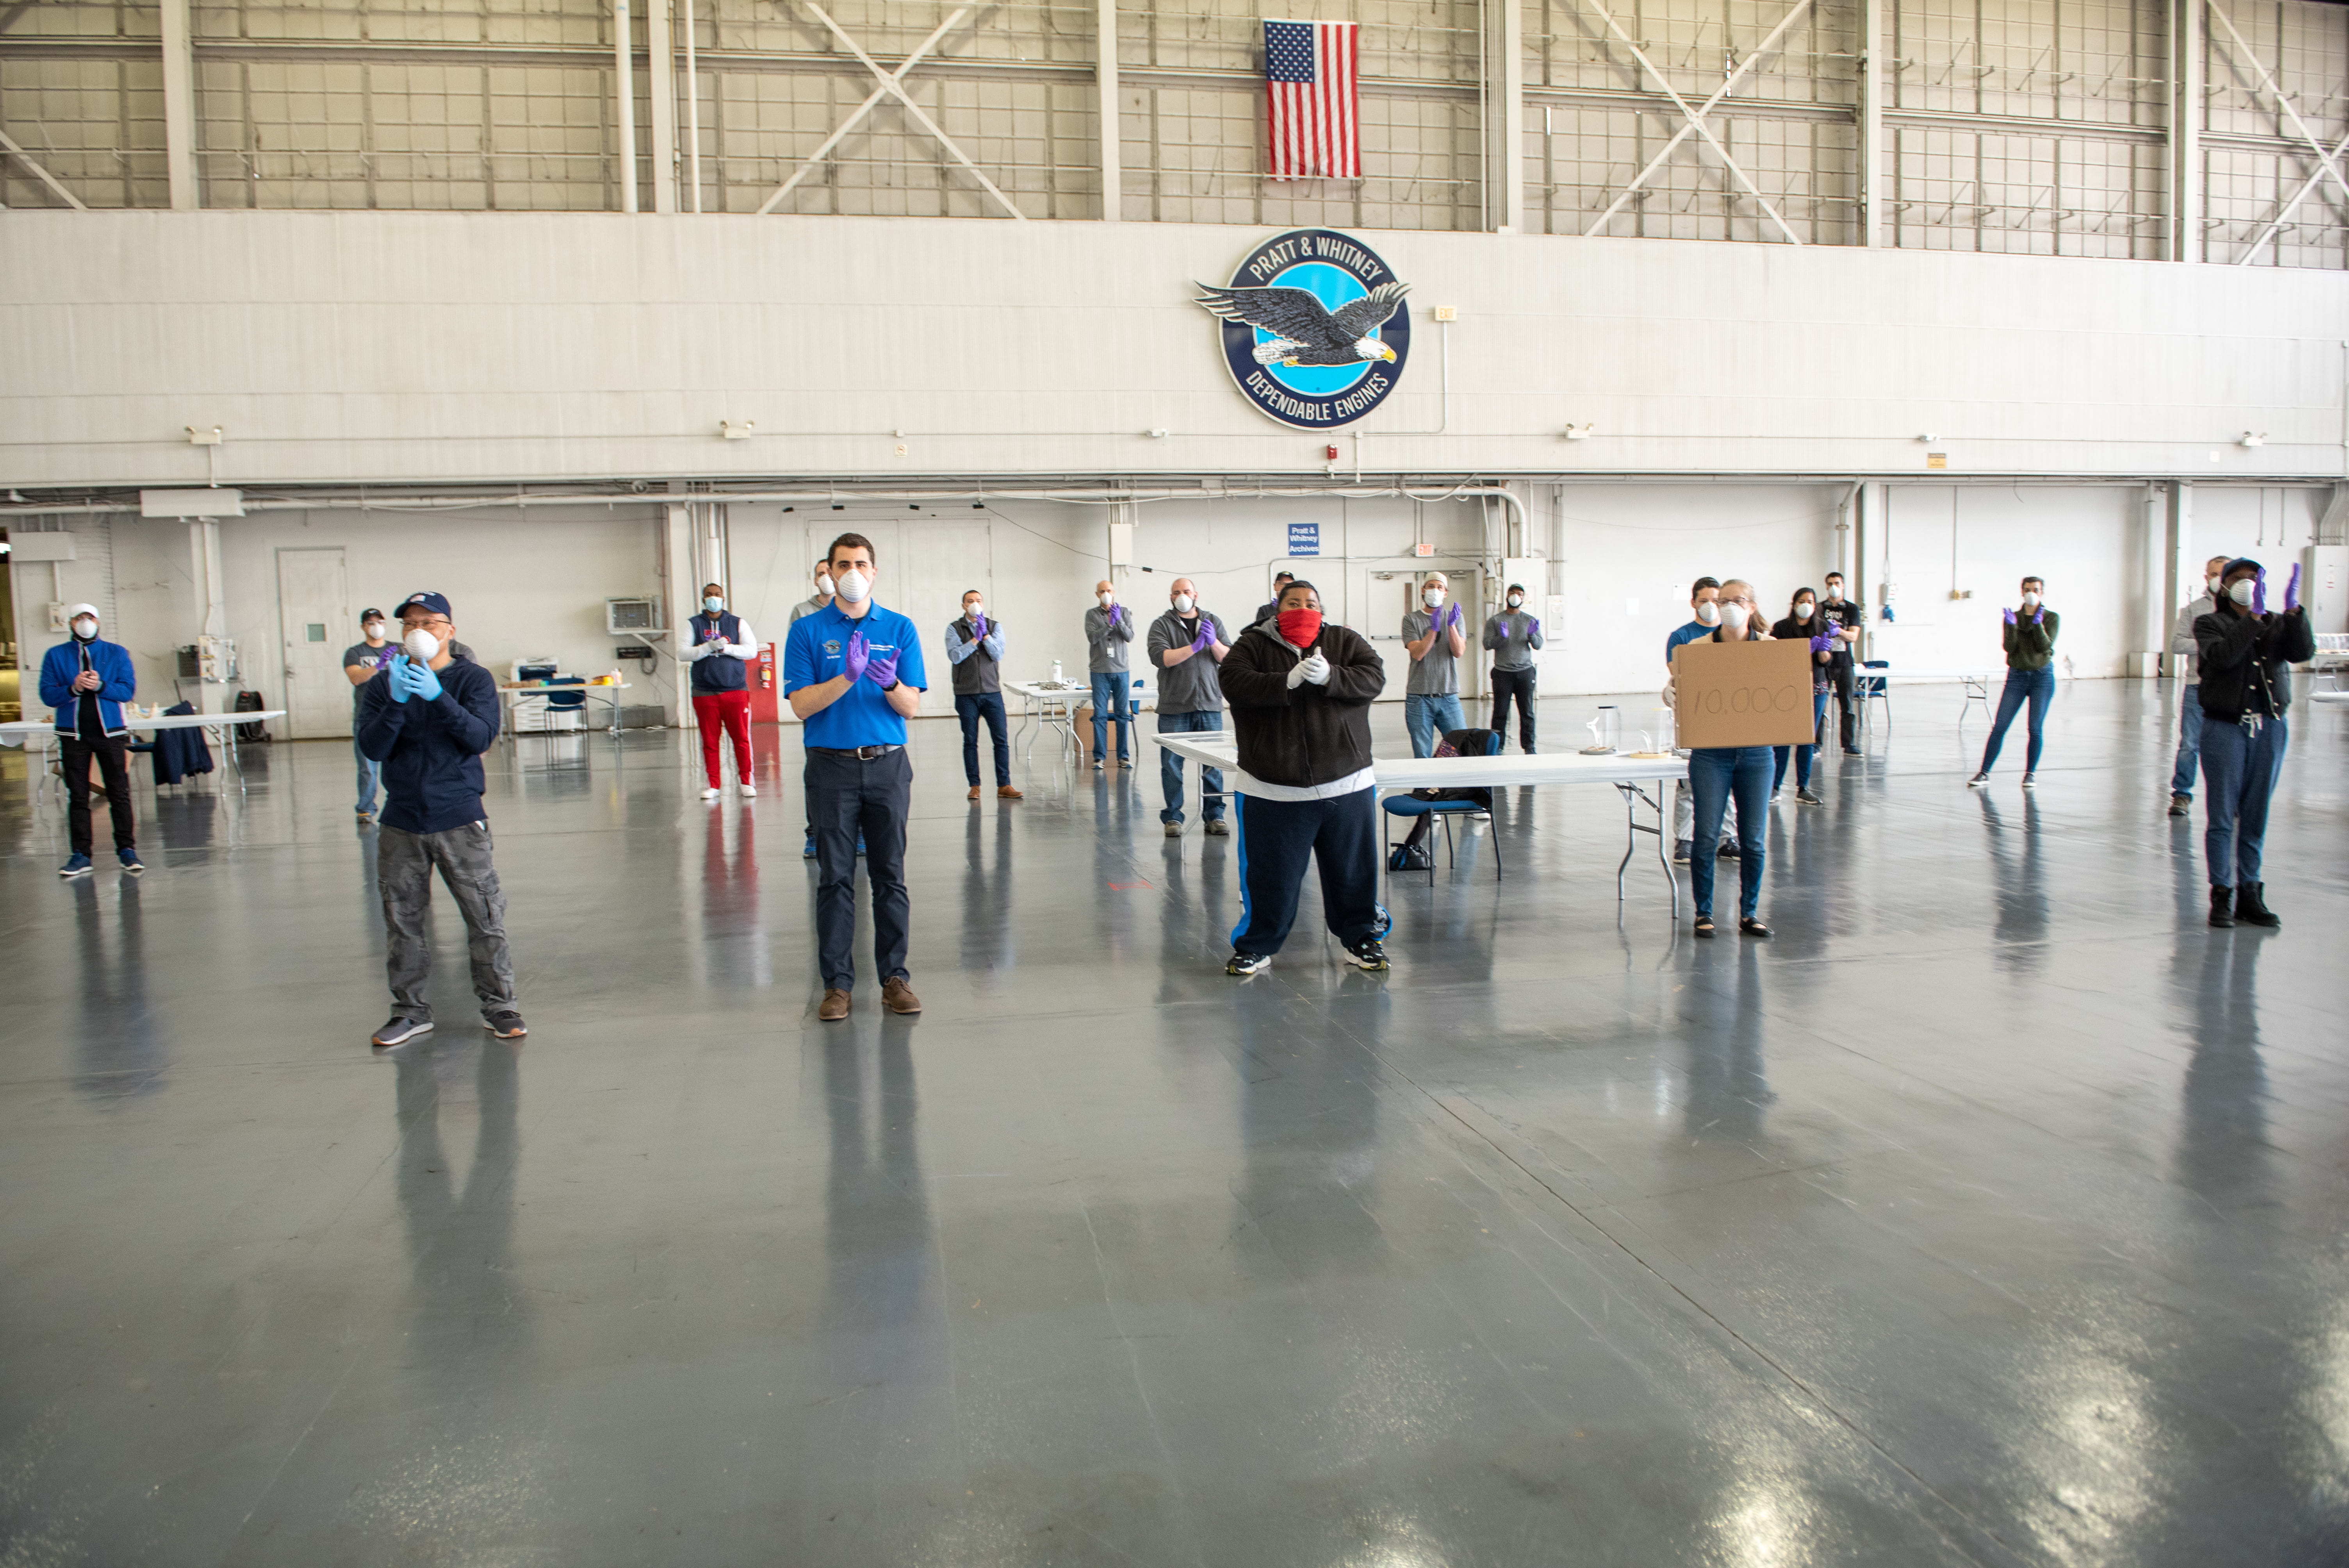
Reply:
x=1309, y=89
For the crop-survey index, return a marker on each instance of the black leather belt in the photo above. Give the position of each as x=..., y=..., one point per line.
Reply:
x=862, y=753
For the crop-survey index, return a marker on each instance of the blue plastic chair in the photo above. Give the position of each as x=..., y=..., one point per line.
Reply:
x=1874, y=688
x=1411, y=806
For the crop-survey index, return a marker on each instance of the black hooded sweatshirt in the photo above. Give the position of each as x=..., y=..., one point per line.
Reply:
x=2244, y=661
x=1310, y=735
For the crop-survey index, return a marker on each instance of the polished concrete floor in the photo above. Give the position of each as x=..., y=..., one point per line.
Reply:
x=1995, y=1213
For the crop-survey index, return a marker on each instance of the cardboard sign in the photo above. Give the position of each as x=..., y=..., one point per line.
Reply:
x=1742, y=693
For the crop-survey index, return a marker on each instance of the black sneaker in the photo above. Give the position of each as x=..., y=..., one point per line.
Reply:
x=1248, y=963
x=505, y=1024
x=1804, y=796
x=1728, y=851
x=1851, y=751
x=1979, y=780
x=399, y=1031
x=1367, y=954
x=1681, y=849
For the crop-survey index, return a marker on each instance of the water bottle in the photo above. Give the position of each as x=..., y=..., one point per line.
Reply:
x=1056, y=673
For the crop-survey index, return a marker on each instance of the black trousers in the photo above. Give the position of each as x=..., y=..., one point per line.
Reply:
x=1519, y=685
x=1276, y=837
x=846, y=797
x=112, y=756
x=1847, y=711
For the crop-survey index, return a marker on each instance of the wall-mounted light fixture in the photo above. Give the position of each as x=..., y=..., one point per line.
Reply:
x=1155, y=435
x=728, y=429
x=204, y=435
x=2252, y=438
x=1928, y=438
x=1580, y=432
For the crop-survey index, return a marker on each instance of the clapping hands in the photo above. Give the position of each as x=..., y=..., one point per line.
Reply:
x=855, y=658
x=410, y=679
x=1206, y=637
x=1314, y=668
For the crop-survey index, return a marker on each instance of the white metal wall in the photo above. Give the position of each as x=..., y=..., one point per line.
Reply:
x=2038, y=126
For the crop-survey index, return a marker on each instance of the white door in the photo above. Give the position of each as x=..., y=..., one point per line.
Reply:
x=314, y=617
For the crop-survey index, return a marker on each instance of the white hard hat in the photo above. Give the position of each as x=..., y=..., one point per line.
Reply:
x=76, y=612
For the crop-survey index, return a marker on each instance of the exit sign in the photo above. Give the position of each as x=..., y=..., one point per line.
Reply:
x=1422, y=550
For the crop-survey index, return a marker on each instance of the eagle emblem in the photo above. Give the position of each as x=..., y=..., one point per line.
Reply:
x=1313, y=325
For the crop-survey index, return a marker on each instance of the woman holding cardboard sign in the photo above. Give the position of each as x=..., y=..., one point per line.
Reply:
x=1719, y=773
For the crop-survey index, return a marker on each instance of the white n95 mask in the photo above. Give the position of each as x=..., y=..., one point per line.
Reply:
x=1183, y=603
x=2244, y=587
x=853, y=586
x=422, y=646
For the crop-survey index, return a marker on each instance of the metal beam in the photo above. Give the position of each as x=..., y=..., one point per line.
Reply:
x=179, y=109
x=1504, y=104
x=13, y=12
x=660, y=68
x=1871, y=123
x=894, y=87
x=57, y=189
x=1106, y=113
x=2184, y=239
x=2284, y=102
x=1696, y=125
x=624, y=92
x=871, y=99
x=2283, y=215
x=692, y=111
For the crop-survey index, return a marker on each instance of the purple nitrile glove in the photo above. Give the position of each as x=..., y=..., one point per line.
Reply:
x=1452, y=616
x=855, y=657
x=1824, y=643
x=978, y=627
x=881, y=670
x=2292, y=592
x=2039, y=616
x=2260, y=595
x=2010, y=616
x=1206, y=635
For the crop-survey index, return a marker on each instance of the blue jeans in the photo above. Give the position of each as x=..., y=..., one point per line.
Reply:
x=370, y=776
x=2189, y=742
x=1716, y=774
x=1110, y=701
x=1802, y=754
x=2240, y=770
x=1430, y=716
x=2037, y=687
x=1170, y=767
x=969, y=708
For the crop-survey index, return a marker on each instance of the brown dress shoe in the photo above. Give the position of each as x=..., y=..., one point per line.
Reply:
x=974, y=793
x=834, y=1007
x=1005, y=793
x=895, y=996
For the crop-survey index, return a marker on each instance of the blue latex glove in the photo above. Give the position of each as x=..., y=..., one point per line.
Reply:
x=422, y=682
x=881, y=670
x=2260, y=595
x=1206, y=635
x=855, y=657
x=2010, y=616
x=2292, y=592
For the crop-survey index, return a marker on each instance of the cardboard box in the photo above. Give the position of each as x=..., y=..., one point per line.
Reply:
x=1742, y=693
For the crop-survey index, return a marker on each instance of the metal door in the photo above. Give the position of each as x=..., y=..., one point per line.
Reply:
x=313, y=615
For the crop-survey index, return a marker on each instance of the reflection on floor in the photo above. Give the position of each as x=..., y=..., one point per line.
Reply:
x=1995, y=1213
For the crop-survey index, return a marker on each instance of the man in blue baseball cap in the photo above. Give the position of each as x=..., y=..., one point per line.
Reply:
x=427, y=716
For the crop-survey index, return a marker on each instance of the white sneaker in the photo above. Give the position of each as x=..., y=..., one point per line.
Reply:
x=750, y=790
x=710, y=794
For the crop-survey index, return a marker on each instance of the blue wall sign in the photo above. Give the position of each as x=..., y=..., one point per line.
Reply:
x=1304, y=538
x=1314, y=329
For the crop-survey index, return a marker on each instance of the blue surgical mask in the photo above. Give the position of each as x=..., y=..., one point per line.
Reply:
x=713, y=603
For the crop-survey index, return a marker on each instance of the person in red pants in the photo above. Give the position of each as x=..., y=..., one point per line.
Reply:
x=720, y=647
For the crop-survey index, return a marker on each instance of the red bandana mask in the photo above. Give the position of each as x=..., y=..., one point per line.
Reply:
x=1300, y=627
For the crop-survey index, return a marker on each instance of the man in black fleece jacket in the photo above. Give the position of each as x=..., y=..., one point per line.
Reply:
x=1301, y=690
x=2244, y=656
x=427, y=722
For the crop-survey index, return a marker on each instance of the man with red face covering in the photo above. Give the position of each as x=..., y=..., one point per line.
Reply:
x=1301, y=690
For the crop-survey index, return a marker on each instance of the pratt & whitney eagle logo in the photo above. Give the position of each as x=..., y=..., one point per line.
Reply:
x=1314, y=330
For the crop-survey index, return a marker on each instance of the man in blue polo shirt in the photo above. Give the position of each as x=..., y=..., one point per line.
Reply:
x=853, y=672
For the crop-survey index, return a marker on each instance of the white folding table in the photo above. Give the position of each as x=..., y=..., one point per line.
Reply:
x=21, y=732
x=1044, y=706
x=1630, y=775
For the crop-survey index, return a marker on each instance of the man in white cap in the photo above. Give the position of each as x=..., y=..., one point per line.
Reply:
x=87, y=680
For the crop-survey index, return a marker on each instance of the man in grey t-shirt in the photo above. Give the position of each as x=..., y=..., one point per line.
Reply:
x=1109, y=627
x=1185, y=645
x=1514, y=636
x=360, y=662
x=1435, y=636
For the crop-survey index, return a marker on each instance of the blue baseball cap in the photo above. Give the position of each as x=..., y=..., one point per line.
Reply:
x=436, y=602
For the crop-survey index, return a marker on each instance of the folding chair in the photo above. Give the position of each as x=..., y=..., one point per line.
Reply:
x=1874, y=688
x=1411, y=806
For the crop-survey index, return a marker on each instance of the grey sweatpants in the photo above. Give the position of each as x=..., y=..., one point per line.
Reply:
x=404, y=866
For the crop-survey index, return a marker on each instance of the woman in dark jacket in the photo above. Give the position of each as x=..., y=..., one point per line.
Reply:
x=2244, y=656
x=1802, y=623
x=1301, y=690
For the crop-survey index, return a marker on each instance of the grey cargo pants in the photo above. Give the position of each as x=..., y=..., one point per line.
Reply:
x=404, y=866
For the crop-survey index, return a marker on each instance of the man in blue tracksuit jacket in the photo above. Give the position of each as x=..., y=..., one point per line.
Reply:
x=428, y=720
x=86, y=681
